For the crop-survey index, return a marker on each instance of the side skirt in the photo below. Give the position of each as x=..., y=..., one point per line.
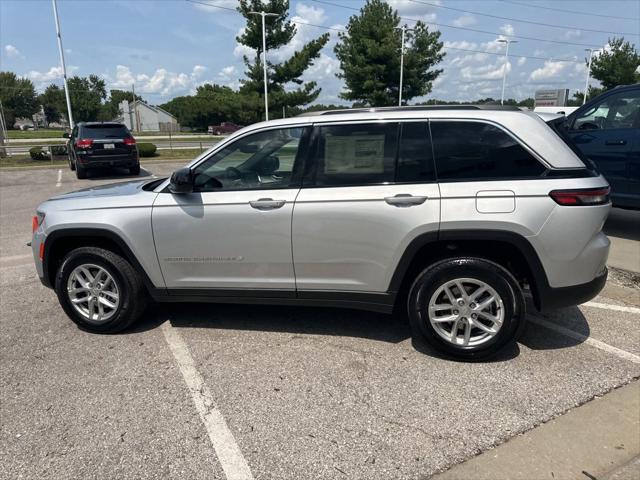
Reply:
x=373, y=302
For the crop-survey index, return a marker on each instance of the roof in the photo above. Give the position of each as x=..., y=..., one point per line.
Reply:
x=153, y=107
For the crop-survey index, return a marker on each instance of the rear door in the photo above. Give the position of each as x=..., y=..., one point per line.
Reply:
x=364, y=198
x=109, y=139
x=608, y=133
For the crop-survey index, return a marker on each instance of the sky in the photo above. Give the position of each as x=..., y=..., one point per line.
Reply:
x=169, y=47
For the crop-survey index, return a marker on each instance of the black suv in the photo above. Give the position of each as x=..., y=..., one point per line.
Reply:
x=102, y=145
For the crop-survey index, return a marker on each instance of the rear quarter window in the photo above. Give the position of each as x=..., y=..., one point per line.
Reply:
x=477, y=150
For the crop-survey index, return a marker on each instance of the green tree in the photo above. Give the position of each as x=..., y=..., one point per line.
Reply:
x=618, y=66
x=53, y=102
x=18, y=97
x=284, y=83
x=369, y=54
x=87, y=94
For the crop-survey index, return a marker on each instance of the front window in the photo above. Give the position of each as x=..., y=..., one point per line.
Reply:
x=616, y=111
x=262, y=160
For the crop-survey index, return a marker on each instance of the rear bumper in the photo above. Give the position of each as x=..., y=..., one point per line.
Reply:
x=104, y=161
x=551, y=298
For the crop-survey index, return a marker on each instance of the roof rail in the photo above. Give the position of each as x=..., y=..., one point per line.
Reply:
x=412, y=108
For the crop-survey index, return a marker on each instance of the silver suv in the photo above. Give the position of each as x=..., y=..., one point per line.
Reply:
x=450, y=215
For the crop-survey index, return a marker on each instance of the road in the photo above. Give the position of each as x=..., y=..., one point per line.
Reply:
x=211, y=391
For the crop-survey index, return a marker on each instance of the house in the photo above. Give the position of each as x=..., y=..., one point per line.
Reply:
x=139, y=116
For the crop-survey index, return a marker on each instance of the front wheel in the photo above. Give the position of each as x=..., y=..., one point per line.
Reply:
x=466, y=308
x=99, y=290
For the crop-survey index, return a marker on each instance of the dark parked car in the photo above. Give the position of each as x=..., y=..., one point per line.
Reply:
x=607, y=131
x=102, y=145
x=224, y=128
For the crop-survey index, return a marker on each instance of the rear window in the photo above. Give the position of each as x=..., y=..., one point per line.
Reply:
x=104, y=131
x=476, y=150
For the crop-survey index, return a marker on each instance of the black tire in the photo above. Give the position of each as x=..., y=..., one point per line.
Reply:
x=72, y=166
x=81, y=172
x=133, y=296
x=493, y=275
x=135, y=170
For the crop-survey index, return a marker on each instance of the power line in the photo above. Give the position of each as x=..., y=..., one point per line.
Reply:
x=531, y=57
x=532, y=22
x=573, y=12
x=468, y=29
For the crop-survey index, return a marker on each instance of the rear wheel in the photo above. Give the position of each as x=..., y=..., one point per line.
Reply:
x=99, y=290
x=135, y=170
x=72, y=165
x=81, y=172
x=467, y=308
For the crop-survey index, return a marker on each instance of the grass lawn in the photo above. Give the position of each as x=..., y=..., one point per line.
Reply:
x=57, y=133
x=161, y=155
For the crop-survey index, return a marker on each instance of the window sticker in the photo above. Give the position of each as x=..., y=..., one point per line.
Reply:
x=354, y=154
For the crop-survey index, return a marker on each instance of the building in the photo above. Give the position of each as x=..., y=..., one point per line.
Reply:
x=142, y=117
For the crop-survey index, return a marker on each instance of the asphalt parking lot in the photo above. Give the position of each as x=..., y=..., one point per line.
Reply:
x=288, y=393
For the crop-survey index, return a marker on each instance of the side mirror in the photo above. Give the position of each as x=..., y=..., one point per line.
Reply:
x=181, y=181
x=66, y=135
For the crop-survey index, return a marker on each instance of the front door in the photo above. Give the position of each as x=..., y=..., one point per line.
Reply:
x=233, y=233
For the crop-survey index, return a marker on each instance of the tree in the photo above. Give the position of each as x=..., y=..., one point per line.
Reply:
x=617, y=66
x=87, y=94
x=285, y=76
x=369, y=54
x=53, y=103
x=18, y=97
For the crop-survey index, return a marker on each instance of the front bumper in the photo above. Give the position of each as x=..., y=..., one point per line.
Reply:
x=552, y=298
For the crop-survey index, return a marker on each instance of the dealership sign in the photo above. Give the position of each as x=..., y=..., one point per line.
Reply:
x=552, y=98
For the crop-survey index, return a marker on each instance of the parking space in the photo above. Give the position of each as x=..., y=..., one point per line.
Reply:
x=218, y=391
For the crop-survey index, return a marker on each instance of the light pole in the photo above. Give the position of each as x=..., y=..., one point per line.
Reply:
x=504, y=68
x=264, y=14
x=586, y=86
x=404, y=29
x=64, y=68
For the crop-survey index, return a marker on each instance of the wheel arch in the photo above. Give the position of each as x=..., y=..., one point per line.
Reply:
x=511, y=250
x=60, y=242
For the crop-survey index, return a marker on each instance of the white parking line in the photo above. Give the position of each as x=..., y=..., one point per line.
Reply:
x=588, y=340
x=607, y=306
x=233, y=463
x=59, y=183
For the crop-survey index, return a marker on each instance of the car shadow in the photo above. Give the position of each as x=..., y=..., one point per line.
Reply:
x=623, y=224
x=537, y=336
x=116, y=174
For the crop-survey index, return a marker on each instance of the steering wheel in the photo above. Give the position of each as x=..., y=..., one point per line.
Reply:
x=589, y=126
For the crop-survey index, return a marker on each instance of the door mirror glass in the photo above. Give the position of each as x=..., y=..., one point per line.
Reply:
x=181, y=181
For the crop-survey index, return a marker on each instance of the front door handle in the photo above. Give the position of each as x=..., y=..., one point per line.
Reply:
x=404, y=200
x=615, y=142
x=267, y=204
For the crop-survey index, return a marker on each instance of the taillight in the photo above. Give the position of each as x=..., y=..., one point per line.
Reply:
x=36, y=221
x=581, y=197
x=84, y=143
x=129, y=141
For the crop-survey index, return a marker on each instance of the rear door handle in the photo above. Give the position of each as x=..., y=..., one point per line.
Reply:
x=615, y=142
x=405, y=200
x=267, y=204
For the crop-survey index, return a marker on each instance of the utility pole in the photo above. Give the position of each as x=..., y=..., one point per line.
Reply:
x=135, y=108
x=3, y=133
x=264, y=14
x=404, y=29
x=64, y=67
x=504, y=67
x=586, y=86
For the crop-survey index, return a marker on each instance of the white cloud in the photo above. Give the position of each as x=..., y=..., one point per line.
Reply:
x=507, y=29
x=465, y=20
x=12, y=52
x=162, y=82
x=522, y=61
x=570, y=34
x=415, y=10
x=549, y=70
x=42, y=79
